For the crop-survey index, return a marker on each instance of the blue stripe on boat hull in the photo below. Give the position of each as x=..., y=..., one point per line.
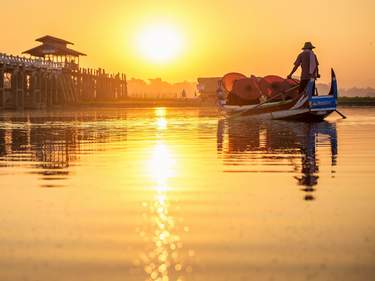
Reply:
x=322, y=102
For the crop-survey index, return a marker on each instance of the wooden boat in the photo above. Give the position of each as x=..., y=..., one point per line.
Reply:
x=304, y=107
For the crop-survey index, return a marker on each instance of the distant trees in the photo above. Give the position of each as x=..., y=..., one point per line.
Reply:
x=358, y=92
x=157, y=88
x=351, y=92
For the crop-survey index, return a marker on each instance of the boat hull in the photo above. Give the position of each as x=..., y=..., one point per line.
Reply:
x=305, y=115
x=296, y=115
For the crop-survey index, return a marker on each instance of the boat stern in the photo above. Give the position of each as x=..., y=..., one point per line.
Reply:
x=323, y=104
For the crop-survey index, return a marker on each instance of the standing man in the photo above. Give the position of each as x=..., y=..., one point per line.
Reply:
x=309, y=64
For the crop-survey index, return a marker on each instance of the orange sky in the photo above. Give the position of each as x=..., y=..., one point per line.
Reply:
x=253, y=37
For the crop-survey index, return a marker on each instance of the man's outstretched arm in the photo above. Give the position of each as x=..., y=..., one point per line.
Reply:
x=293, y=70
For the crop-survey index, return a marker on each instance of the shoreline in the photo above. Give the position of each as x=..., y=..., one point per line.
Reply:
x=356, y=101
x=181, y=103
x=142, y=103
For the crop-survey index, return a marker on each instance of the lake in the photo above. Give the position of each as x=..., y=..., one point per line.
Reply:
x=181, y=194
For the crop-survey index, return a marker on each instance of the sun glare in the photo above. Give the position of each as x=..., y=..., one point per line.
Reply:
x=159, y=43
x=161, y=165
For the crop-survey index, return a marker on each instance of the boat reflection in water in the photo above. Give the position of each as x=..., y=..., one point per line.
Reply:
x=277, y=146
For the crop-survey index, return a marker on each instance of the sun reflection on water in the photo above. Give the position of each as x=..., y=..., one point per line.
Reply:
x=163, y=255
x=161, y=121
x=161, y=166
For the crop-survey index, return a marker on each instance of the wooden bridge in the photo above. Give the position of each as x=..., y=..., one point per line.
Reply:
x=43, y=82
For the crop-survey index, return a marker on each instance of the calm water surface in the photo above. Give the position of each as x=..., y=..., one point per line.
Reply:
x=177, y=194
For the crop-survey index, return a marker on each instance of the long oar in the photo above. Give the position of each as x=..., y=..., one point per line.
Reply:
x=342, y=115
x=276, y=96
x=266, y=101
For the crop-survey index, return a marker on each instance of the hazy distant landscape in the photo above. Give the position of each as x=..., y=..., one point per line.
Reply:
x=158, y=88
x=348, y=92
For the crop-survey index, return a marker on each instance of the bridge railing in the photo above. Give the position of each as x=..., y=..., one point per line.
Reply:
x=28, y=62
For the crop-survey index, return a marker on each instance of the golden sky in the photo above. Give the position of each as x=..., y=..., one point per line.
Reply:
x=253, y=37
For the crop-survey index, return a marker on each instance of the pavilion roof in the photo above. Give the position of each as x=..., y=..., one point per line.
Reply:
x=49, y=49
x=50, y=39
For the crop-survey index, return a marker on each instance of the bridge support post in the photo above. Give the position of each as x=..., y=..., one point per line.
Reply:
x=43, y=91
x=12, y=101
x=49, y=90
x=21, y=85
x=37, y=88
x=2, y=96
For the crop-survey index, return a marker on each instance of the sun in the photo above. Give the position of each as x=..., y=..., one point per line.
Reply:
x=159, y=43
